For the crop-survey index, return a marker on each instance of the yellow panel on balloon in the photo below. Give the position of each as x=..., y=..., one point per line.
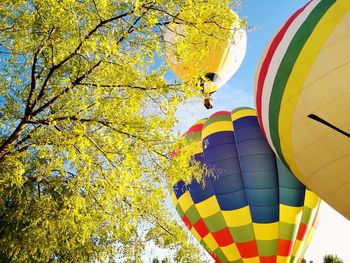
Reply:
x=242, y=113
x=210, y=242
x=290, y=214
x=238, y=217
x=251, y=260
x=311, y=199
x=195, y=234
x=219, y=126
x=266, y=231
x=185, y=201
x=281, y=259
x=231, y=252
x=208, y=207
x=296, y=247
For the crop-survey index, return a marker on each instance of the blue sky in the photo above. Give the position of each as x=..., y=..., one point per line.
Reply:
x=267, y=16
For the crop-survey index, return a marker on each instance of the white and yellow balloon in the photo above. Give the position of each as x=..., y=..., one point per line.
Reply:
x=303, y=98
x=221, y=58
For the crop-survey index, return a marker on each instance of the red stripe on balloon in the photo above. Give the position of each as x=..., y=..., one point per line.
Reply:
x=248, y=249
x=223, y=237
x=284, y=247
x=267, y=60
x=268, y=259
x=201, y=228
x=187, y=222
x=195, y=128
x=221, y=113
x=301, y=232
x=215, y=257
x=316, y=219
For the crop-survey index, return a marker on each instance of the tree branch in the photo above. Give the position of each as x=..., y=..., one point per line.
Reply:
x=79, y=79
x=102, y=151
x=69, y=87
x=33, y=72
x=76, y=50
x=13, y=137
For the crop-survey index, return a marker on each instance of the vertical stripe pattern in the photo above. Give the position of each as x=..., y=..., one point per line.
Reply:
x=302, y=96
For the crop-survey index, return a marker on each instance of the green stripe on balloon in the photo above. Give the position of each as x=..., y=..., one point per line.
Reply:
x=193, y=215
x=286, y=67
x=239, y=109
x=243, y=233
x=179, y=210
x=307, y=213
x=217, y=118
x=215, y=222
x=287, y=231
x=220, y=255
x=267, y=247
x=193, y=137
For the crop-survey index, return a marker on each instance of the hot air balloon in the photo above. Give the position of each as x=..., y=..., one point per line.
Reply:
x=302, y=96
x=219, y=64
x=250, y=208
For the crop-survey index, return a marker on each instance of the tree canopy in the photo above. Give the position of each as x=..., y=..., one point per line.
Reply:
x=86, y=126
x=332, y=259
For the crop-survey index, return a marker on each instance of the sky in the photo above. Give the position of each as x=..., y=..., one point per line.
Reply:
x=265, y=17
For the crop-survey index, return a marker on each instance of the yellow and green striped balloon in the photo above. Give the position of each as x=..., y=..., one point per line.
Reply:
x=251, y=208
x=303, y=98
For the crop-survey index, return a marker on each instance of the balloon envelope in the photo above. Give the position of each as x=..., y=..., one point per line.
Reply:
x=218, y=65
x=303, y=98
x=251, y=208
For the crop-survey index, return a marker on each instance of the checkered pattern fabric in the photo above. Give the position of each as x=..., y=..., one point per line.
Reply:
x=250, y=208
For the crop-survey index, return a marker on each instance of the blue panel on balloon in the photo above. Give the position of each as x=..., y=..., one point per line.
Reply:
x=262, y=197
x=245, y=122
x=220, y=152
x=218, y=138
x=267, y=214
x=292, y=197
x=249, y=133
x=231, y=183
x=261, y=179
x=286, y=178
x=225, y=167
x=255, y=146
x=232, y=201
x=199, y=157
x=200, y=192
x=179, y=188
x=256, y=163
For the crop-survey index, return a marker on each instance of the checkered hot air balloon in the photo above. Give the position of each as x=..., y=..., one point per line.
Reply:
x=303, y=98
x=251, y=208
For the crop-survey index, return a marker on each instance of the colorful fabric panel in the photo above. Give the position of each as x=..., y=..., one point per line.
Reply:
x=250, y=208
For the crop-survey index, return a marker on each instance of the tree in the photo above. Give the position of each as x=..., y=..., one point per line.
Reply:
x=86, y=127
x=332, y=259
x=156, y=260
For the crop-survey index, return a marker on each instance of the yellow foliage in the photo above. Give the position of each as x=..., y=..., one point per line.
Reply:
x=86, y=129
